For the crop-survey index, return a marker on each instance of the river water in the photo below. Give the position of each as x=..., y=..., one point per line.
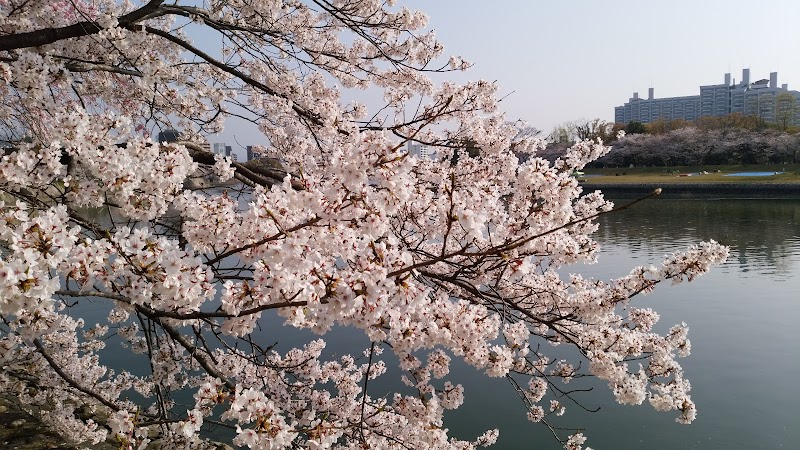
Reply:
x=744, y=324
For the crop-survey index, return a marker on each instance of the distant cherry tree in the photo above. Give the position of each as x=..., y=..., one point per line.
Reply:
x=428, y=260
x=693, y=146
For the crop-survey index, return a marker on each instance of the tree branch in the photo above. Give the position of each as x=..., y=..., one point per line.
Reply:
x=50, y=35
x=191, y=349
x=71, y=381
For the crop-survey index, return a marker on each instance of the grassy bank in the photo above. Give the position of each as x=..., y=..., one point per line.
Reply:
x=694, y=175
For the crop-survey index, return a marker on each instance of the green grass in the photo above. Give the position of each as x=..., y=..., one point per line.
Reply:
x=714, y=174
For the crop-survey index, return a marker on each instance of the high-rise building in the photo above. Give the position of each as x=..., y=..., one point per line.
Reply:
x=760, y=98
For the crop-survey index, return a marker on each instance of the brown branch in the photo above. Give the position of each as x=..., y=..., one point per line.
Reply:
x=46, y=36
x=183, y=316
x=263, y=241
x=71, y=381
x=519, y=242
x=246, y=173
x=202, y=156
x=191, y=349
x=232, y=71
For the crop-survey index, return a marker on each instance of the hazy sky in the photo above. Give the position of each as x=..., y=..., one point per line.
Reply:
x=564, y=60
x=572, y=59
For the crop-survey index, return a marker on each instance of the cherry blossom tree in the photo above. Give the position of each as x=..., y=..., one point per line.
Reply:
x=429, y=260
x=691, y=146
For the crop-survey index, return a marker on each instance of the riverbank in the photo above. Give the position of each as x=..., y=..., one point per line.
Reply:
x=765, y=181
x=688, y=190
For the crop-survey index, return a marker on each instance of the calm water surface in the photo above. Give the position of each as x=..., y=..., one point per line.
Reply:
x=744, y=321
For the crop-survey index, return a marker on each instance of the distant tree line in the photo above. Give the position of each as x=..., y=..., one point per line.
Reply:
x=695, y=146
x=707, y=123
x=732, y=139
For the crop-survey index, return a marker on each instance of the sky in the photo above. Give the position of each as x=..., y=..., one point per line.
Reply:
x=566, y=60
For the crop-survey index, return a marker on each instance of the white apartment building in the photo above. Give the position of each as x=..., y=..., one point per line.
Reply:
x=758, y=98
x=421, y=151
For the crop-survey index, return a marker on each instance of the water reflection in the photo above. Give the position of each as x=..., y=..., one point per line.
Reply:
x=762, y=234
x=743, y=319
x=745, y=355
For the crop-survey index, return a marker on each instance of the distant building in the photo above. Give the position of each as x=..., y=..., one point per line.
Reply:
x=421, y=151
x=169, y=135
x=253, y=154
x=228, y=150
x=758, y=98
x=206, y=146
x=219, y=148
